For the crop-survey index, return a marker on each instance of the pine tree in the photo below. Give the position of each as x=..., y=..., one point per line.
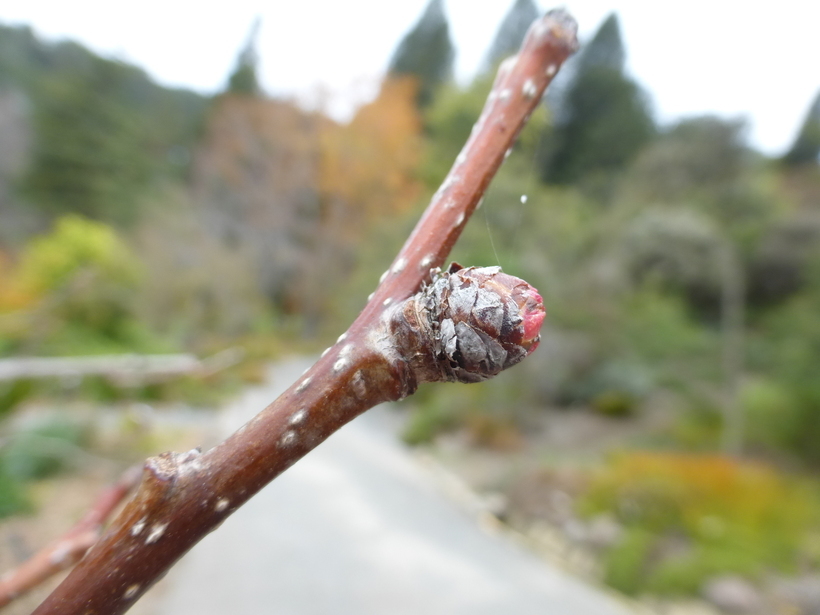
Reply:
x=511, y=33
x=243, y=80
x=806, y=147
x=603, y=120
x=426, y=53
x=606, y=49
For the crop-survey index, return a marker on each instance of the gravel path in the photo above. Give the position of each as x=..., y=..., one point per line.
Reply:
x=359, y=527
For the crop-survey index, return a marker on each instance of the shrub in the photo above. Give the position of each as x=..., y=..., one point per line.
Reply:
x=42, y=450
x=80, y=283
x=721, y=515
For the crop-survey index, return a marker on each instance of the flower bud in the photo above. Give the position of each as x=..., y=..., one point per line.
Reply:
x=481, y=321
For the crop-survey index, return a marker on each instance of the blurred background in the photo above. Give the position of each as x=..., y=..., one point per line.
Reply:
x=214, y=192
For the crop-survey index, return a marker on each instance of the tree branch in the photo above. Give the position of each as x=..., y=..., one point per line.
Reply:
x=71, y=546
x=467, y=325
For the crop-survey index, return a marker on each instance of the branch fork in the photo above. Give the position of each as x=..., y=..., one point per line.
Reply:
x=420, y=325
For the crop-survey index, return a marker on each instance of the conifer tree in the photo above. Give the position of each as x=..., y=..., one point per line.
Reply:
x=511, y=33
x=806, y=147
x=243, y=80
x=426, y=53
x=606, y=49
x=603, y=121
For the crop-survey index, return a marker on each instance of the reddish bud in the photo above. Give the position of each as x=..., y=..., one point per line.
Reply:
x=480, y=321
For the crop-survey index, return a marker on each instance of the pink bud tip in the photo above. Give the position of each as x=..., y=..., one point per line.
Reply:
x=483, y=321
x=534, y=314
x=530, y=309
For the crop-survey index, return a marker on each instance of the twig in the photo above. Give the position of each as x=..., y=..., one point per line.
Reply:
x=466, y=326
x=71, y=546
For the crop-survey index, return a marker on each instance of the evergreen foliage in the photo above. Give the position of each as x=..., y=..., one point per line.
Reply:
x=606, y=49
x=90, y=155
x=426, y=53
x=806, y=147
x=103, y=131
x=604, y=120
x=511, y=32
x=244, y=79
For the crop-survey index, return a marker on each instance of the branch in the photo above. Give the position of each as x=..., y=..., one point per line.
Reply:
x=467, y=325
x=71, y=546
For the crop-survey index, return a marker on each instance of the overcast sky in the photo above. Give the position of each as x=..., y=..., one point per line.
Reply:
x=700, y=56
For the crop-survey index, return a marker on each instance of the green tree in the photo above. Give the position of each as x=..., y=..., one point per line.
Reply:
x=426, y=53
x=243, y=80
x=702, y=161
x=606, y=49
x=806, y=147
x=511, y=32
x=91, y=152
x=604, y=120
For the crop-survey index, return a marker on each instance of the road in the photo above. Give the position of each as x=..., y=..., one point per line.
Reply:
x=358, y=527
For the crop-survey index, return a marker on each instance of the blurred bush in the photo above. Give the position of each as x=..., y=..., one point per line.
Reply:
x=36, y=451
x=73, y=291
x=490, y=414
x=689, y=517
x=43, y=449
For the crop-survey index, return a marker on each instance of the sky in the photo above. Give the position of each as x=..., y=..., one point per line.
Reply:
x=723, y=57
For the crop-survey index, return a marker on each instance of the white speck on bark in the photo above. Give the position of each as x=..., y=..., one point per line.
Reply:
x=288, y=438
x=480, y=203
x=298, y=416
x=341, y=338
x=370, y=296
x=461, y=158
x=156, y=533
x=505, y=94
x=131, y=591
x=341, y=365
x=387, y=301
x=221, y=504
x=399, y=266
x=460, y=219
x=426, y=262
x=383, y=276
x=138, y=527
x=325, y=351
x=303, y=385
x=529, y=89
x=551, y=70
x=507, y=153
x=507, y=65
x=450, y=180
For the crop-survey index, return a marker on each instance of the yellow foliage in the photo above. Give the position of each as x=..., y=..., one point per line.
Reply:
x=371, y=163
x=13, y=296
x=724, y=515
x=75, y=244
x=702, y=494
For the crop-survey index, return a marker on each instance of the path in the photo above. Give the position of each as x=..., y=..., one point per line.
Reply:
x=358, y=527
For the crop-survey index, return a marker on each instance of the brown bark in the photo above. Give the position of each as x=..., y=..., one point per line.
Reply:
x=390, y=348
x=71, y=546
